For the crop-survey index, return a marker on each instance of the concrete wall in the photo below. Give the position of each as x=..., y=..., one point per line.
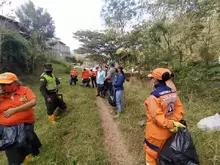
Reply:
x=61, y=50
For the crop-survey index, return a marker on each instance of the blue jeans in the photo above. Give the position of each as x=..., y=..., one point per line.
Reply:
x=118, y=95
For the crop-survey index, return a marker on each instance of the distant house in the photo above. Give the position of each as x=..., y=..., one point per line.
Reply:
x=58, y=48
x=8, y=23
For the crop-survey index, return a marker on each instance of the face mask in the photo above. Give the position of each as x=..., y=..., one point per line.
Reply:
x=10, y=88
x=49, y=72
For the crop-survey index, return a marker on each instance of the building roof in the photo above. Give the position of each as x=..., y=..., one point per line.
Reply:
x=19, y=24
x=56, y=40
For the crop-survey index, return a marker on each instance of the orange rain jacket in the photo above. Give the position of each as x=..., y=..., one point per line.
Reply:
x=163, y=105
x=85, y=74
x=93, y=73
x=74, y=72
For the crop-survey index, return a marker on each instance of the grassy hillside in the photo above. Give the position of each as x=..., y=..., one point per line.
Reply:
x=77, y=136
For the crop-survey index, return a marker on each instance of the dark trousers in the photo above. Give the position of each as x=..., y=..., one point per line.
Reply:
x=110, y=86
x=86, y=82
x=16, y=155
x=93, y=79
x=105, y=88
x=51, y=106
x=57, y=101
x=73, y=79
x=100, y=88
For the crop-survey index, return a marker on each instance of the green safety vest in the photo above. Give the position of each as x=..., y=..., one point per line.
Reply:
x=51, y=82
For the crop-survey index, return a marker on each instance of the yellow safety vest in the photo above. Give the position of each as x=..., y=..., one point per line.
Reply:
x=51, y=82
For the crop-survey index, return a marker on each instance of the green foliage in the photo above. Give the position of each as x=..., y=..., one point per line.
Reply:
x=14, y=52
x=71, y=59
x=98, y=45
x=21, y=56
x=36, y=19
x=118, y=14
x=63, y=65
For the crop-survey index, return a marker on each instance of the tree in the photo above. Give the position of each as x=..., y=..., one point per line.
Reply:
x=71, y=59
x=14, y=52
x=36, y=19
x=118, y=14
x=3, y=3
x=98, y=45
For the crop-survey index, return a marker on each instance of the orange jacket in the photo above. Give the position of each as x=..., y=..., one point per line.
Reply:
x=85, y=74
x=22, y=95
x=74, y=72
x=170, y=84
x=93, y=73
x=162, y=106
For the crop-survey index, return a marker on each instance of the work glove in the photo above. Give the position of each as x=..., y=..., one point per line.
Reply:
x=176, y=126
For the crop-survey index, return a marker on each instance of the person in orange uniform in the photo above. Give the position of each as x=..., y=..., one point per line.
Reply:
x=85, y=77
x=73, y=76
x=164, y=111
x=93, y=75
x=17, y=116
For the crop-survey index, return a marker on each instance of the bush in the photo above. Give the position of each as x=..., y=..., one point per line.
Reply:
x=71, y=59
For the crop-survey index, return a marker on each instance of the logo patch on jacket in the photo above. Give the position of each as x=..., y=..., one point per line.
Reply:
x=170, y=109
x=23, y=98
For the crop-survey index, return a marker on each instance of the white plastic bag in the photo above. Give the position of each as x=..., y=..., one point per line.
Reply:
x=211, y=123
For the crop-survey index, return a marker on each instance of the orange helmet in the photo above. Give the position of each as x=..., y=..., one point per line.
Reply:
x=158, y=73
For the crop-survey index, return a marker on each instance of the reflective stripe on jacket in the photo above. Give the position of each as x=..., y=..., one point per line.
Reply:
x=162, y=106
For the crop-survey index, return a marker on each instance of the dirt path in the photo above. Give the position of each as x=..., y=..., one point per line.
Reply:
x=115, y=144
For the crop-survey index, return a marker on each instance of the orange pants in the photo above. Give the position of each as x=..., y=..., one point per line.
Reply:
x=152, y=148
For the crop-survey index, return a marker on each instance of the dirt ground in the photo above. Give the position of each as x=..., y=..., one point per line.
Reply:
x=114, y=143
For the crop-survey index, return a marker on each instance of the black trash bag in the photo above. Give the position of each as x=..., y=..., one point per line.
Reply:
x=61, y=103
x=179, y=150
x=8, y=136
x=112, y=98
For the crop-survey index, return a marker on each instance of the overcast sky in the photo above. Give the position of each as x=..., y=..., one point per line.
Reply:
x=70, y=16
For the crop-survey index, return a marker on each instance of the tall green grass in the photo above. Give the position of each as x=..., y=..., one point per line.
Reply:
x=77, y=137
